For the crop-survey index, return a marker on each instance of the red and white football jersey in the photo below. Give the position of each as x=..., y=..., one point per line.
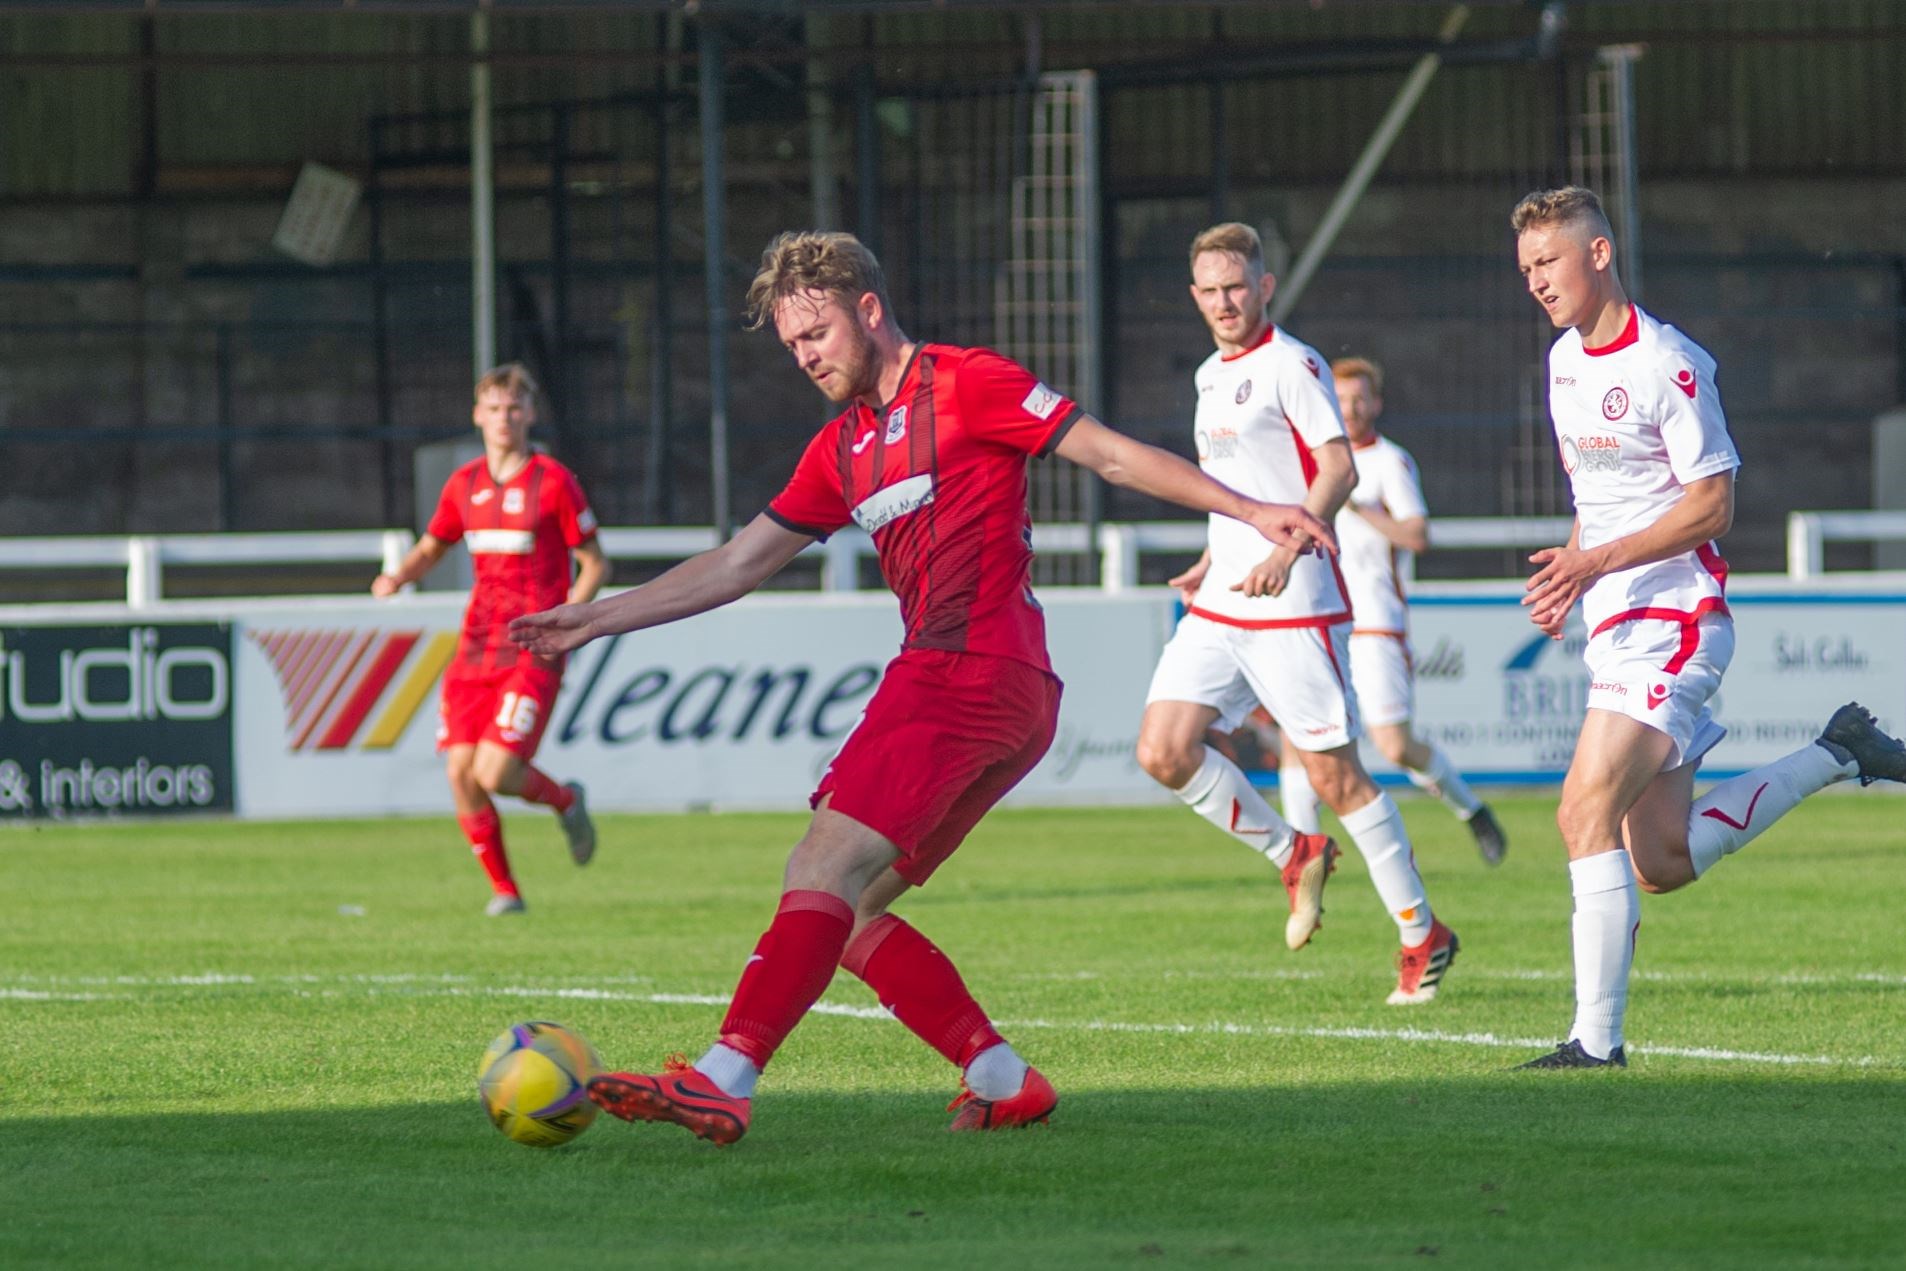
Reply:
x=519, y=534
x=1260, y=414
x=938, y=477
x=1636, y=421
x=1372, y=565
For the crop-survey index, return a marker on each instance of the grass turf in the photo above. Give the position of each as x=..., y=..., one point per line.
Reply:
x=239, y=1045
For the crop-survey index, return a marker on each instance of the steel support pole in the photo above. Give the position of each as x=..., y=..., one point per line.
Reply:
x=714, y=249
x=1374, y=150
x=482, y=199
x=1620, y=61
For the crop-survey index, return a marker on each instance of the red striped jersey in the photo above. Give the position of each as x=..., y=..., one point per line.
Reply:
x=519, y=534
x=938, y=477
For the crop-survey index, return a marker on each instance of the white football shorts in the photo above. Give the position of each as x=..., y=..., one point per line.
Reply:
x=1381, y=672
x=1297, y=673
x=1664, y=673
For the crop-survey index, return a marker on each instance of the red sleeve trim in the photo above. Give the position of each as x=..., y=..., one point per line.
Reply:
x=1271, y=624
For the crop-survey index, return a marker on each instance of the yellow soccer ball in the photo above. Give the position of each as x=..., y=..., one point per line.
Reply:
x=532, y=1081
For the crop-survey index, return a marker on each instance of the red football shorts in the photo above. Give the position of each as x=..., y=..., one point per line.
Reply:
x=508, y=707
x=943, y=739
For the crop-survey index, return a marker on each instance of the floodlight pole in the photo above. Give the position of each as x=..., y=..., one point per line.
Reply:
x=1291, y=289
x=714, y=250
x=482, y=198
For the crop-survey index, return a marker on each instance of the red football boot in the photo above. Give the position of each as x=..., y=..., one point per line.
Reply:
x=1313, y=859
x=1420, y=969
x=681, y=1094
x=1031, y=1106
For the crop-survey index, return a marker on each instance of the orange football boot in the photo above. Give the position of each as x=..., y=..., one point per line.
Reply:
x=1313, y=860
x=1031, y=1106
x=682, y=1094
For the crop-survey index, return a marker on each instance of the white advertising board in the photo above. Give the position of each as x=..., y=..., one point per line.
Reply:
x=1505, y=701
x=740, y=708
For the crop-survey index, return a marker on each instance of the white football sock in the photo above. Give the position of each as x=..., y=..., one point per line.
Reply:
x=728, y=1068
x=1222, y=795
x=1377, y=830
x=996, y=1073
x=1733, y=813
x=1440, y=778
x=1607, y=916
x=1299, y=798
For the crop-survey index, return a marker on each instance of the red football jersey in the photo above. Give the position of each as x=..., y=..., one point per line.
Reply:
x=519, y=534
x=938, y=477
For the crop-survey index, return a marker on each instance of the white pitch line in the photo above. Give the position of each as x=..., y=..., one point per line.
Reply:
x=463, y=986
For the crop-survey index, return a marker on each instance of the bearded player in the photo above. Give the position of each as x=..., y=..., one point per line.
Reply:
x=930, y=458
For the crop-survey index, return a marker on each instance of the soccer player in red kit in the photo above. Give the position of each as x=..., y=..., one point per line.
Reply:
x=929, y=458
x=523, y=516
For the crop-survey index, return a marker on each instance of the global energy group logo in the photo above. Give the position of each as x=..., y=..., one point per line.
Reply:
x=332, y=682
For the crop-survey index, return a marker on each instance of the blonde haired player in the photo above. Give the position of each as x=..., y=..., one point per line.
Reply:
x=1275, y=628
x=1638, y=420
x=523, y=516
x=1383, y=521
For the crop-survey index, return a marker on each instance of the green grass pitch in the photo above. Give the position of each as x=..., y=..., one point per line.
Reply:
x=249, y=1045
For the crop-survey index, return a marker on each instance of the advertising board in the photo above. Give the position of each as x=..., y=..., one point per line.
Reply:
x=126, y=719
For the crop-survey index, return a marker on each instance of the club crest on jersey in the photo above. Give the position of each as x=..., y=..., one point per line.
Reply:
x=1244, y=393
x=896, y=425
x=1684, y=380
x=1615, y=404
x=513, y=500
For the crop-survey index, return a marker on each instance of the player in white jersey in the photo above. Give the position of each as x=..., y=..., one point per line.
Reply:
x=1638, y=420
x=1276, y=629
x=1382, y=523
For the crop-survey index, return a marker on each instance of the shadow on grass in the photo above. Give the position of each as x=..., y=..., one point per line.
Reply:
x=1489, y=1170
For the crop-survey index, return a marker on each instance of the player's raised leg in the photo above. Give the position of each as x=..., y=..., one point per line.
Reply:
x=1172, y=749
x=504, y=760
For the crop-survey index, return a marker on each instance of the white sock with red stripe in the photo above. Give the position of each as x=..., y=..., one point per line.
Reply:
x=1607, y=914
x=1377, y=830
x=1224, y=796
x=1733, y=813
x=1440, y=778
x=1301, y=806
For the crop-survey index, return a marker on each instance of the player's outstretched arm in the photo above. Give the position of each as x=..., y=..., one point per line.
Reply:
x=698, y=584
x=417, y=562
x=1164, y=475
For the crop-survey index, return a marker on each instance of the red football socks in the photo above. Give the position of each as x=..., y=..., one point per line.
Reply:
x=922, y=988
x=792, y=966
x=485, y=831
x=539, y=787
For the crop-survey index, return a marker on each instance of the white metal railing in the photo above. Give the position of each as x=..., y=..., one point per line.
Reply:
x=145, y=556
x=1121, y=545
x=1808, y=534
